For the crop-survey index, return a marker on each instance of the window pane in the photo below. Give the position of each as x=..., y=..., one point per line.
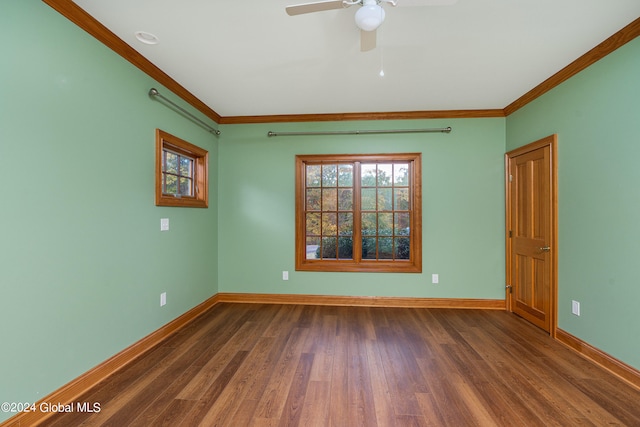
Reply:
x=313, y=224
x=385, y=172
x=329, y=224
x=345, y=224
x=329, y=247
x=329, y=175
x=369, y=224
x=179, y=174
x=345, y=199
x=171, y=162
x=385, y=224
x=329, y=199
x=345, y=248
x=382, y=190
x=369, y=248
x=186, y=166
x=171, y=184
x=401, y=199
x=368, y=199
x=384, y=199
x=402, y=224
x=402, y=248
x=401, y=174
x=313, y=243
x=368, y=175
x=186, y=187
x=385, y=248
x=345, y=175
x=313, y=199
x=313, y=176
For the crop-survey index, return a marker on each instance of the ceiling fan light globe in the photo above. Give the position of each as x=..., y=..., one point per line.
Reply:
x=369, y=17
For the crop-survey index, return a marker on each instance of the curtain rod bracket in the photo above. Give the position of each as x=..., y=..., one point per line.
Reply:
x=153, y=93
x=360, y=132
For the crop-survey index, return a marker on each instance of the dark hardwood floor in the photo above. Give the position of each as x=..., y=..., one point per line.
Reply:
x=289, y=365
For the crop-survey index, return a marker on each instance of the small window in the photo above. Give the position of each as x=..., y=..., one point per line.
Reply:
x=359, y=213
x=181, y=172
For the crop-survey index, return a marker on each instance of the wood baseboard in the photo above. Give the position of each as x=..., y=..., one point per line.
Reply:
x=486, y=304
x=74, y=389
x=71, y=391
x=599, y=357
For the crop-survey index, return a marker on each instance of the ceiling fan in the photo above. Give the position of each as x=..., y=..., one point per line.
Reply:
x=368, y=17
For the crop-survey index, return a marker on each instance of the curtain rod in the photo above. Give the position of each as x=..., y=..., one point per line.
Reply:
x=360, y=132
x=153, y=93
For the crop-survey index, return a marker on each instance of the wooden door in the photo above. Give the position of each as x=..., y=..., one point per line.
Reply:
x=531, y=233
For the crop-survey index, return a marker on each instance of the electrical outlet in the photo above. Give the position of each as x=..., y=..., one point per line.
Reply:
x=285, y=275
x=163, y=299
x=164, y=224
x=435, y=278
x=575, y=308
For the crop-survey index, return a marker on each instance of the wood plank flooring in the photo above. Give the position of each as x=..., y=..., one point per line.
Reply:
x=290, y=365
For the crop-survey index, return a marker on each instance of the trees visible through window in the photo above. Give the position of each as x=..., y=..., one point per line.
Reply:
x=181, y=172
x=358, y=212
x=177, y=174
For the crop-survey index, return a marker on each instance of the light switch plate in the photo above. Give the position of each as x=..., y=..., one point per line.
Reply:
x=435, y=278
x=575, y=308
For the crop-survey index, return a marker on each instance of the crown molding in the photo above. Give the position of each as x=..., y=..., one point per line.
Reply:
x=337, y=117
x=617, y=40
x=82, y=19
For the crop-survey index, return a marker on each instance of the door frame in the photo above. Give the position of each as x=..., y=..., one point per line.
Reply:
x=550, y=141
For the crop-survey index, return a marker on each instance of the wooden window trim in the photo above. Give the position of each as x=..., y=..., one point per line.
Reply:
x=200, y=199
x=412, y=265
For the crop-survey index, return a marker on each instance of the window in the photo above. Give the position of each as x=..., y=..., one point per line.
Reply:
x=359, y=213
x=181, y=172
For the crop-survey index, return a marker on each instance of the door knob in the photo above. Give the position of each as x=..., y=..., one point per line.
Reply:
x=545, y=249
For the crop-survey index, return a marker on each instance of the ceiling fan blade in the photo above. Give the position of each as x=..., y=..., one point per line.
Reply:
x=367, y=40
x=298, y=9
x=404, y=3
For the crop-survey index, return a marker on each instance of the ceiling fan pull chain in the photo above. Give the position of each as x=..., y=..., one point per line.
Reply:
x=381, y=73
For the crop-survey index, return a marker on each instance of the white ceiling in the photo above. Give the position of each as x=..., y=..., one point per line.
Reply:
x=249, y=57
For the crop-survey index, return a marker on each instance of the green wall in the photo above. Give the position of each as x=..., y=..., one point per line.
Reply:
x=463, y=212
x=596, y=115
x=82, y=258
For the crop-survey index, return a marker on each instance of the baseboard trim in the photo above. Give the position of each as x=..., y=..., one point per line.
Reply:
x=485, y=304
x=71, y=391
x=618, y=368
x=74, y=389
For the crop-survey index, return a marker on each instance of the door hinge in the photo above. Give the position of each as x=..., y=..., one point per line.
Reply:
x=510, y=233
x=510, y=178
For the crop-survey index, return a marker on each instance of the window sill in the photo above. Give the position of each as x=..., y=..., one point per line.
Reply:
x=362, y=267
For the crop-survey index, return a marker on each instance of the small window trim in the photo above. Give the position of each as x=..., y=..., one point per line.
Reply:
x=413, y=265
x=166, y=141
